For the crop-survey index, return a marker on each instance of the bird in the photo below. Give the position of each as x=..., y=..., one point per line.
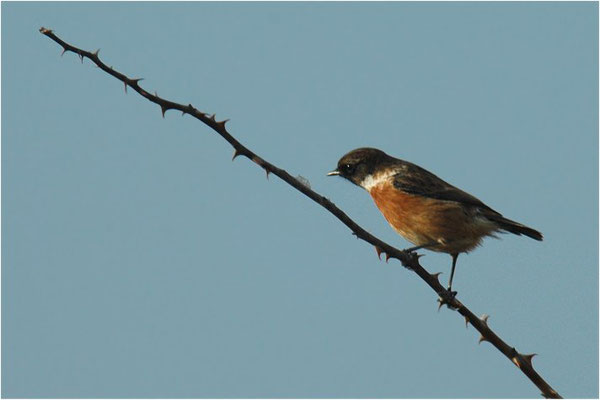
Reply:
x=424, y=209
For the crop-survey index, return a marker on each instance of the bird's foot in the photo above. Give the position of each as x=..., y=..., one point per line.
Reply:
x=446, y=298
x=451, y=293
x=412, y=256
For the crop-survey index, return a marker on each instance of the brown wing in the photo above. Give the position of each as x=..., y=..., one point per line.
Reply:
x=418, y=181
x=415, y=180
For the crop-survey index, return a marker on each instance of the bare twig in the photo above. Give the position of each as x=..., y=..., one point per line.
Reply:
x=408, y=260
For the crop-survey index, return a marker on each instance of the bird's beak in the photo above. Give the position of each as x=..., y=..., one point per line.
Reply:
x=333, y=173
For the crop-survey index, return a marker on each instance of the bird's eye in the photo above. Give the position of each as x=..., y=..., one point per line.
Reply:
x=348, y=169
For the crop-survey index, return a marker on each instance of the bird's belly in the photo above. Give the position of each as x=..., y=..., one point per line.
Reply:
x=423, y=220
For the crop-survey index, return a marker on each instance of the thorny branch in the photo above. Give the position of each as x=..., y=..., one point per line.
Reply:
x=409, y=260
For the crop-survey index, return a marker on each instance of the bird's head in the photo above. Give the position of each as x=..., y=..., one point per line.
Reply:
x=361, y=165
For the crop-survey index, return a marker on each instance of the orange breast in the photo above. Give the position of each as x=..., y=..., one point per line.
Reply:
x=423, y=220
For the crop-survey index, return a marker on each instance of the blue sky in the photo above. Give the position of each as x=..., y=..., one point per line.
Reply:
x=139, y=261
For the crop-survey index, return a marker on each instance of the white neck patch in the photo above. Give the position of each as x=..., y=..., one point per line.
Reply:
x=372, y=181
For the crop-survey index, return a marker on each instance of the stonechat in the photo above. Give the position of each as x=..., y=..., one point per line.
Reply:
x=424, y=209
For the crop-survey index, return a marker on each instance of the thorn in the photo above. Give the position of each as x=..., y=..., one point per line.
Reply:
x=523, y=357
x=64, y=51
x=466, y=323
x=236, y=153
x=155, y=94
x=95, y=53
x=484, y=319
x=212, y=118
x=125, y=84
x=436, y=276
x=528, y=358
x=163, y=109
x=379, y=251
x=387, y=257
x=81, y=57
x=136, y=81
x=222, y=123
x=412, y=258
x=268, y=172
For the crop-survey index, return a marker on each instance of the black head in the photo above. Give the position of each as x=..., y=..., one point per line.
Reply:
x=360, y=163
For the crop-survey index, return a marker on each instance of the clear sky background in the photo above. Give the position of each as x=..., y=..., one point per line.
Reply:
x=139, y=261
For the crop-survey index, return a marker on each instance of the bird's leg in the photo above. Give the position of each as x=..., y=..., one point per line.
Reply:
x=449, y=295
x=454, y=258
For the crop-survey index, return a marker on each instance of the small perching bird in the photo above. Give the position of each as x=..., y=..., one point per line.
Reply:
x=424, y=209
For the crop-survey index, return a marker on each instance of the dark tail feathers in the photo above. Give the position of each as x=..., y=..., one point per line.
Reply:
x=515, y=227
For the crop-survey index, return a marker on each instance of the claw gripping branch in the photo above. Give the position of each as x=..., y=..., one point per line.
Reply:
x=408, y=259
